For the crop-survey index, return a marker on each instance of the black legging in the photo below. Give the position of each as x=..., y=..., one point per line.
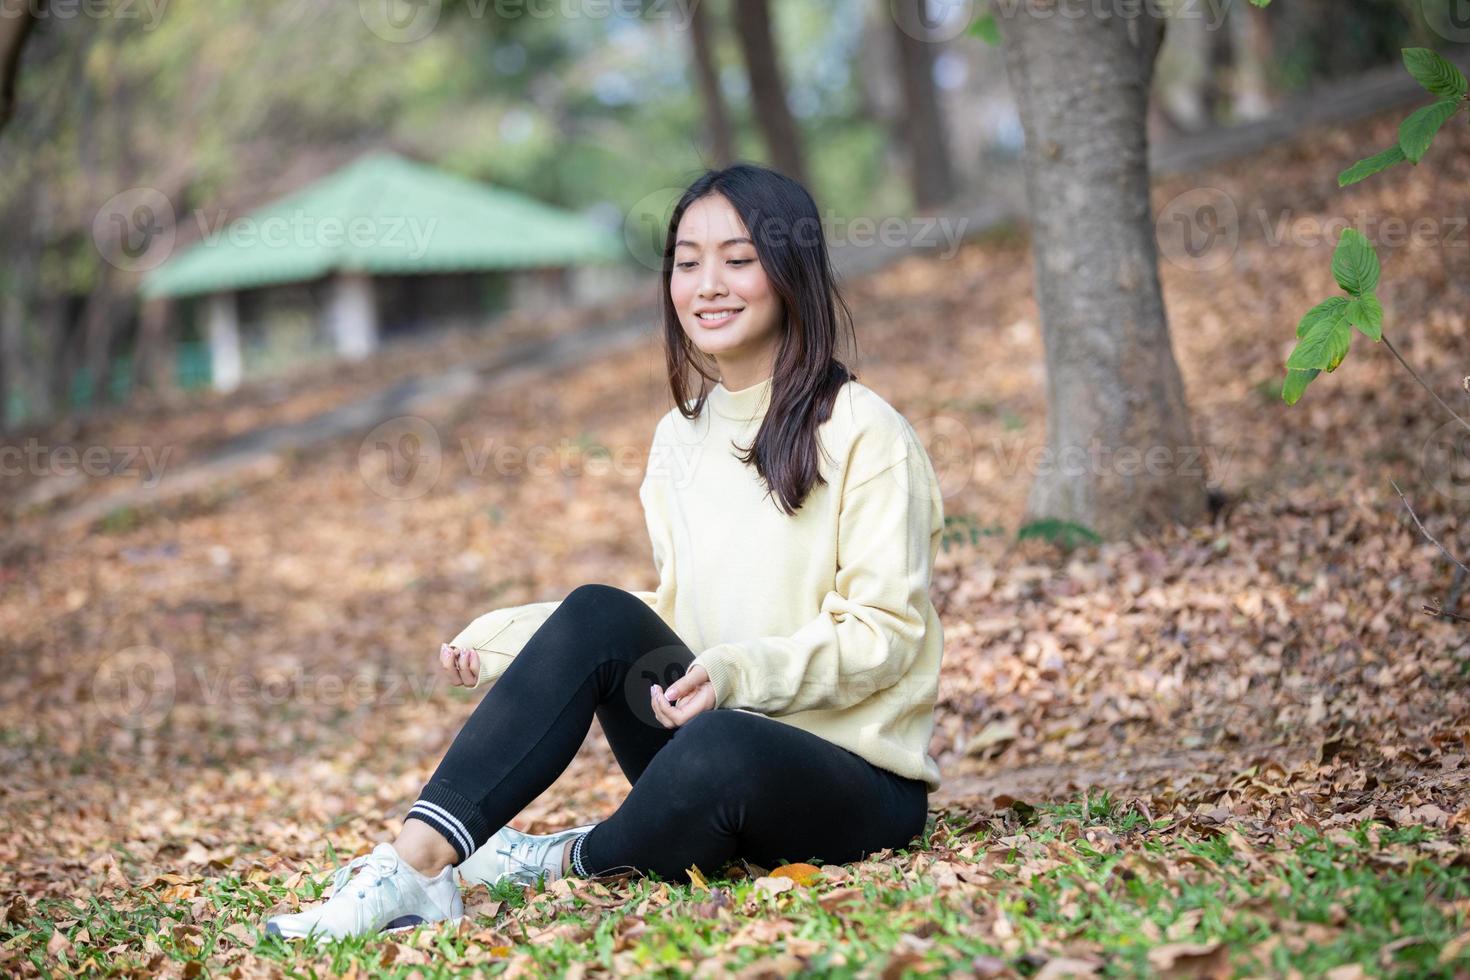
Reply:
x=725, y=784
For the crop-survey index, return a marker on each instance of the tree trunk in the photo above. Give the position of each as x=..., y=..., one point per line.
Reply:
x=52, y=357
x=17, y=18
x=1120, y=453
x=707, y=77
x=1250, y=38
x=930, y=175
x=154, y=352
x=1217, y=80
x=767, y=90
x=99, y=325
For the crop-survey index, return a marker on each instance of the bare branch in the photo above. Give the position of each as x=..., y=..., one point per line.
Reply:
x=1426, y=387
x=1443, y=550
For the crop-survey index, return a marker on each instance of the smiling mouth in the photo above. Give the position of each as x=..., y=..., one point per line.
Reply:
x=716, y=319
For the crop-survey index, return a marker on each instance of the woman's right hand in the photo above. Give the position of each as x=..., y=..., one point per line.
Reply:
x=463, y=666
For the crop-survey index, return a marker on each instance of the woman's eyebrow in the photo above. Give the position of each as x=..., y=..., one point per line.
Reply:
x=728, y=241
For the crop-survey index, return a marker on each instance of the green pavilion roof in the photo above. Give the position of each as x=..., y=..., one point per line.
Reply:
x=388, y=215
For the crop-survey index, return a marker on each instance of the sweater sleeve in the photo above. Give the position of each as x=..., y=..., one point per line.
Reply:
x=871, y=625
x=499, y=635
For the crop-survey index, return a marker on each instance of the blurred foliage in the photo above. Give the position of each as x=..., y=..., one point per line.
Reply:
x=214, y=101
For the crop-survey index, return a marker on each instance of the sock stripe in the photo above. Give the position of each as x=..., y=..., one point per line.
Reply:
x=577, y=867
x=435, y=814
x=454, y=823
x=445, y=830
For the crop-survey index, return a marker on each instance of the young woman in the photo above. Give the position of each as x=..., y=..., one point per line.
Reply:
x=795, y=517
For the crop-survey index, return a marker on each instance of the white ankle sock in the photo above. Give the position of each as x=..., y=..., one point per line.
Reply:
x=426, y=879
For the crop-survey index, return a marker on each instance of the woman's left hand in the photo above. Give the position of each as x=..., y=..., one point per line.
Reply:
x=693, y=692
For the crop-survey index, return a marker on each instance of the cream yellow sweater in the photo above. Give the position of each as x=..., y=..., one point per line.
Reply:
x=821, y=620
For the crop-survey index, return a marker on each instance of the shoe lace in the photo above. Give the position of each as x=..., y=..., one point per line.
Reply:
x=376, y=869
x=523, y=852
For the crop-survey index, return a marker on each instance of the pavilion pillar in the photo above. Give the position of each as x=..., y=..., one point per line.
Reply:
x=352, y=315
x=226, y=365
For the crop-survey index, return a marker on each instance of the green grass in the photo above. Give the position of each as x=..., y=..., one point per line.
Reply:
x=1090, y=878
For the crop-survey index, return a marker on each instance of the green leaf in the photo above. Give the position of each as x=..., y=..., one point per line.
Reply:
x=1324, y=346
x=1331, y=308
x=1064, y=534
x=986, y=29
x=1368, y=166
x=1417, y=132
x=1296, y=383
x=1260, y=3
x=1434, y=73
x=1366, y=313
x=1354, y=263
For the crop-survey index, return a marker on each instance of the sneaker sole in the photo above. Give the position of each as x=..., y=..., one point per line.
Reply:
x=404, y=923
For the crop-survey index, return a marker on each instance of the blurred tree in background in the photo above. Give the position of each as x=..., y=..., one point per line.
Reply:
x=222, y=106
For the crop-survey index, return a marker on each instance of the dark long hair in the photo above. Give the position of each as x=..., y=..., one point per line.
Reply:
x=792, y=247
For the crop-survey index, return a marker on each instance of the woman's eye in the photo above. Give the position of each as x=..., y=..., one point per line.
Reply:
x=683, y=265
x=741, y=261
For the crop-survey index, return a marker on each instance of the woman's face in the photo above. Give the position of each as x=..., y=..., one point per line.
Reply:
x=716, y=270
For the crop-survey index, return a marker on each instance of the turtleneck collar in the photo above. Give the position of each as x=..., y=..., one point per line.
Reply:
x=742, y=405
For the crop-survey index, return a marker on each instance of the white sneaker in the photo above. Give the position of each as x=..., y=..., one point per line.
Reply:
x=386, y=894
x=510, y=855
